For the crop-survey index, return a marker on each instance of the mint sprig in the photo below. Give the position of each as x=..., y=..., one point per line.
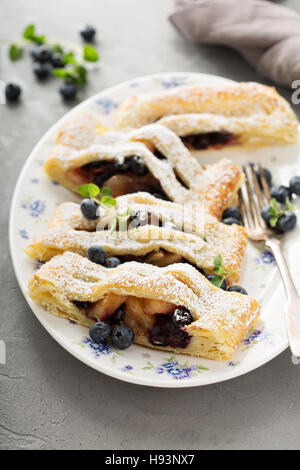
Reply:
x=15, y=51
x=275, y=211
x=91, y=190
x=90, y=54
x=220, y=271
x=76, y=74
x=30, y=34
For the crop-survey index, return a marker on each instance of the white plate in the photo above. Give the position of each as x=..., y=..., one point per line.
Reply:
x=35, y=198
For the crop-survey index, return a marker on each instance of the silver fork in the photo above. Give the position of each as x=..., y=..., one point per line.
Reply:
x=258, y=231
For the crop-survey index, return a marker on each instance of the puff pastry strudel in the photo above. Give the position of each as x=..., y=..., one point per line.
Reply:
x=85, y=153
x=160, y=240
x=149, y=295
x=242, y=113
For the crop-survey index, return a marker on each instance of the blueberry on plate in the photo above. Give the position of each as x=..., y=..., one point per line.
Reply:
x=122, y=336
x=68, y=90
x=121, y=164
x=223, y=286
x=295, y=185
x=231, y=220
x=57, y=60
x=88, y=33
x=266, y=214
x=41, y=54
x=239, y=289
x=287, y=221
x=280, y=193
x=181, y=317
x=118, y=316
x=112, y=262
x=42, y=71
x=89, y=209
x=96, y=254
x=267, y=175
x=12, y=92
x=99, y=332
x=232, y=212
x=137, y=166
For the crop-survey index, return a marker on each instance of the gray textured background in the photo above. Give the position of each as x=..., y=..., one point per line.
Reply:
x=48, y=399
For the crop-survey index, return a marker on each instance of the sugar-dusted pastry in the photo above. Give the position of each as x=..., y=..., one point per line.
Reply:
x=159, y=232
x=151, y=159
x=242, y=113
x=173, y=308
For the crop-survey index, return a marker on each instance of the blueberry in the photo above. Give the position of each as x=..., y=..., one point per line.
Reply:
x=118, y=316
x=286, y=222
x=121, y=163
x=42, y=71
x=232, y=212
x=137, y=166
x=268, y=177
x=57, y=60
x=266, y=214
x=239, y=289
x=89, y=209
x=96, y=254
x=139, y=217
x=280, y=193
x=295, y=185
x=223, y=285
x=112, y=262
x=231, y=220
x=41, y=54
x=68, y=90
x=88, y=33
x=181, y=317
x=159, y=335
x=81, y=304
x=122, y=336
x=12, y=92
x=99, y=332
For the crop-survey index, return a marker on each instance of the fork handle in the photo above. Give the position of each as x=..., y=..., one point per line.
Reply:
x=292, y=309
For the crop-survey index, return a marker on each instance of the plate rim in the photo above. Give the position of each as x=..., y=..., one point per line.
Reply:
x=115, y=373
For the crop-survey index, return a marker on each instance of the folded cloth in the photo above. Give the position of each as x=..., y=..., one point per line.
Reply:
x=265, y=34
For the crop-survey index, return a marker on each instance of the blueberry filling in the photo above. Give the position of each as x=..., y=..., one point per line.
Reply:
x=208, y=139
x=165, y=332
x=82, y=304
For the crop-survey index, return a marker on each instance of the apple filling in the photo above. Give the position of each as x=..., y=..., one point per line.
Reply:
x=160, y=322
x=209, y=139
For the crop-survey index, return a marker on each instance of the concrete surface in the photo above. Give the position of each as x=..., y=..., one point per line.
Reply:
x=48, y=399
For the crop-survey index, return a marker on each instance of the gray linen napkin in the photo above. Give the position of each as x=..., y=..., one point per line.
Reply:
x=265, y=34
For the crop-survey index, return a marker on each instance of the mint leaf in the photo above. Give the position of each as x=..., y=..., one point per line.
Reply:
x=93, y=190
x=15, y=52
x=57, y=49
x=77, y=74
x=29, y=34
x=218, y=261
x=108, y=201
x=273, y=220
x=90, y=54
x=217, y=281
x=289, y=204
x=106, y=191
x=69, y=58
x=60, y=73
x=84, y=190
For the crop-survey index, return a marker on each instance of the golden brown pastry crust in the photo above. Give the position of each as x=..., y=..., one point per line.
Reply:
x=202, y=240
x=221, y=318
x=255, y=114
x=80, y=143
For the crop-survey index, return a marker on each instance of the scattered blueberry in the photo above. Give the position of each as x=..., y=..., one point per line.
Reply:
x=88, y=33
x=121, y=163
x=12, y=92
x=280, y=193
x=137, y=166
x=231, y=220
x=96, y=254
x=223, y=285
x=182, y=317
x=239, y=289
x=112, y=262
x=89, y=209
x=295, y=185
x=41, y=54
x=99, y=331
x=68, y=90
x=268, y=177
x=122, y=336
x=81, y=304
x=118, y=316
x=266, y=214
x=286, y=222
x=42, y=71
x=232, y=212
x=57, y=60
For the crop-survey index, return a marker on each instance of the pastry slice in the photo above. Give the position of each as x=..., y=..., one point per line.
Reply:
x=151, y=159
x=158, y=232
x=152, y=300
x=239, y=114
